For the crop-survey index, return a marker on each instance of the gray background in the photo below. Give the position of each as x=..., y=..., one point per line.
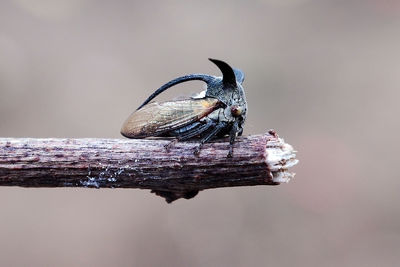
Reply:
x=324, y=74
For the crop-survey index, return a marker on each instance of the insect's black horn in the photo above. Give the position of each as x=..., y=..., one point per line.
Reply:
x=228, y=75
x=202, y=77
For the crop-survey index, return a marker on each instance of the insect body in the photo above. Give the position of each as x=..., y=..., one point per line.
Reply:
x=221, y=111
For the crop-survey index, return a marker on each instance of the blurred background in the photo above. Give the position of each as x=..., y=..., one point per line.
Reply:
x=323, y=74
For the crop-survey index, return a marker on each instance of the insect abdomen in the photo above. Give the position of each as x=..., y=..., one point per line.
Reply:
x=185, y=129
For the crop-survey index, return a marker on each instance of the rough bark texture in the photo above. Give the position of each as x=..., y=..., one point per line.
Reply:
x=143, y=163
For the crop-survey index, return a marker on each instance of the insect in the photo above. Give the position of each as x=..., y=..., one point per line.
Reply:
x=219, y=112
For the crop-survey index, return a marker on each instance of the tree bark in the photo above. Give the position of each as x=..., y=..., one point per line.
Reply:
x=145, y=163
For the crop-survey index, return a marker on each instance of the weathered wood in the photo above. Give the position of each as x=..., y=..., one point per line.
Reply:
x=144, y=163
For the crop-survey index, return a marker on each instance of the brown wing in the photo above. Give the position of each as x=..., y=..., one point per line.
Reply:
x=157, y=118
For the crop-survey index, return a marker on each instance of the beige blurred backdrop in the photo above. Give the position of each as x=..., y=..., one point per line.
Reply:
x=324, y=74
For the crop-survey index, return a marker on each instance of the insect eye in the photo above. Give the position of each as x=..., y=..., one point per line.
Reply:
x=236, y=111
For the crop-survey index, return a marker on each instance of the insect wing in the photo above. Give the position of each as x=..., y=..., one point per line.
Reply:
x=155, y=118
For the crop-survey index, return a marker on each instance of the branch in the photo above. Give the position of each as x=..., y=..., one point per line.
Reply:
x=145, y=164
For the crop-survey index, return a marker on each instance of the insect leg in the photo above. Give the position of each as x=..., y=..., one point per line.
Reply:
x=171, y=144
x=232, y=136
x=211, y=134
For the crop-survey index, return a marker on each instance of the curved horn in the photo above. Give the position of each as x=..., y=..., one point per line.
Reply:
x=190, y=77
x=228, y=75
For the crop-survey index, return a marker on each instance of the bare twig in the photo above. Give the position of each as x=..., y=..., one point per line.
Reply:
x=143, y=163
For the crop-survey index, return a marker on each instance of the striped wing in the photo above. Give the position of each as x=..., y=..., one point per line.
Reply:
x=155, y=118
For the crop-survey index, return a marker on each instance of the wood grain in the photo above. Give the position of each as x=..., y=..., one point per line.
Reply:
x=145, y=163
